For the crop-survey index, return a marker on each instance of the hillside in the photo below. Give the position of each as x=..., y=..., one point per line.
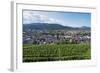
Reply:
x=48, y=26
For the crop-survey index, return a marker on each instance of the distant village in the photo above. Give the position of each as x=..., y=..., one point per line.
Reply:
x=56, y=37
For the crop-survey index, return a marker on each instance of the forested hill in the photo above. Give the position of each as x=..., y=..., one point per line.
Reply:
x=49, y=26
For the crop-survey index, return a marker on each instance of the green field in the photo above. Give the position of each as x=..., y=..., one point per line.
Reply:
x=54, y=52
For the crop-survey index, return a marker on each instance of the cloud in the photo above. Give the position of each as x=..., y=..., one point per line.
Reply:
x=36, y=17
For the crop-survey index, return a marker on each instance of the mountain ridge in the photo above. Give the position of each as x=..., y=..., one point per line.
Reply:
x=52, y=26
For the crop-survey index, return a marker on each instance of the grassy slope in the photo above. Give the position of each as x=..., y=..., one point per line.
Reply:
x=32, y=53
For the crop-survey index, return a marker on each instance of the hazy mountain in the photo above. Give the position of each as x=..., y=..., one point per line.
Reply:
x=49, y=26
x=85, y=27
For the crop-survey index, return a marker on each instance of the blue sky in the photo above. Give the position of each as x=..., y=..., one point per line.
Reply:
x=73, y=19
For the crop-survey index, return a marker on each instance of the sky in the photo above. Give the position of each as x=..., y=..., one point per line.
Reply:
x=73, y=19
